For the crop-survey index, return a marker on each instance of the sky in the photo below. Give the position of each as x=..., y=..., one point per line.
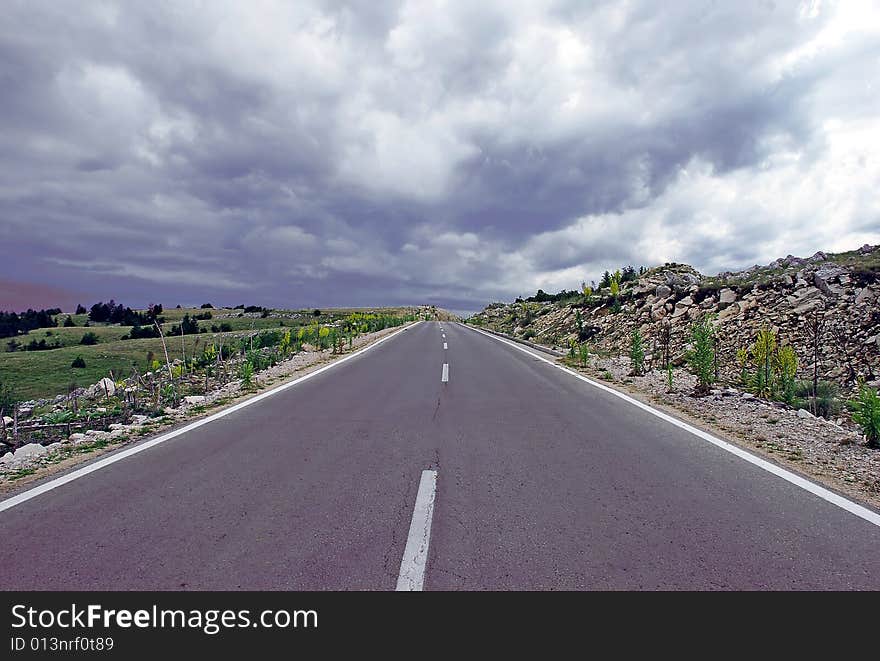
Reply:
x=311, y=153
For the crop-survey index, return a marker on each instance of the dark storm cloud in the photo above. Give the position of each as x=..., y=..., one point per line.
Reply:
x=348, y=153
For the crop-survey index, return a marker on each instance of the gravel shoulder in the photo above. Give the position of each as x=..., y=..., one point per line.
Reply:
x=831, y=453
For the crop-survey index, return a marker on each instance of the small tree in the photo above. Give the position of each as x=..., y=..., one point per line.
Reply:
x=701, y=357
x=637, y=352
x=68, y=323
x=584, y=353
x=866, y=413
x=89, y=338
x=78, y=362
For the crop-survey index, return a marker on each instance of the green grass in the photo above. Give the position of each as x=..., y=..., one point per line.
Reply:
x=42, y=374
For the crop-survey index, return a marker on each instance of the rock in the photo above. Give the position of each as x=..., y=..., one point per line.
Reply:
x=686, y=302
x=865, y=296
x=824, y=277
x=53, y=446
x=663, y=291
x=727, y=296
x=9, y=421
x=818, y=257
x=748, y=395
x=76, y=438
x=194, y=399
x=30, y=450
x=804, y=414
x=24, y=411
x=7, y=458
x=117, y=425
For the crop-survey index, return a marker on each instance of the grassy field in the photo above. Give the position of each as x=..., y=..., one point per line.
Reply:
x=39, y=374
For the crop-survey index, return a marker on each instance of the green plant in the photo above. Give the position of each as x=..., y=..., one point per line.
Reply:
x=637, y=353
x=866, y=414
x=247, y=374
x=584, y=353
x=89, y=338
x=701, y=357
x=669, y=377
x=823, y=400
x=78, y=362
x=769, y=370
x=785, y=367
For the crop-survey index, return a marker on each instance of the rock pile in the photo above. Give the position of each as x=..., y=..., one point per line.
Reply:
x=790, y=295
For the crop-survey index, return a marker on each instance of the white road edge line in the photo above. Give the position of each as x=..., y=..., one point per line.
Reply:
x=415, y=556
x=124, y=454
x=797, y=480
x=445, y=377
x=444, y=346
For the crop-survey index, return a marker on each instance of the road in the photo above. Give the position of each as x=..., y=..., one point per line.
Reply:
x=543, y=482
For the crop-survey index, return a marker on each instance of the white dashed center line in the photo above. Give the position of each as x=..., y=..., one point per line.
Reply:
x=415, y=555
x=445, y=377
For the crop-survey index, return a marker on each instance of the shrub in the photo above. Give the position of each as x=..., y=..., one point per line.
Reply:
x=701, y=357
x=637, y=353
x=140, y=332
x=824, y=402
x=584, y=353
x=68, y=323
x=866, y=413
x=246, y=374
x=89, y=339
x=769, y=370
x=78, y=362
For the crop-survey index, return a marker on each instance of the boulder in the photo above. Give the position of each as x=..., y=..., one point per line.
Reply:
x=30, y=450
x=804, y=414
x=8, y=420
x=825, y=277
x=727, y=296
x=866, y=295
x=663, y=291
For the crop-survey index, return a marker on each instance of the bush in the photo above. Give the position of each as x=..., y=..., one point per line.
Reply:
x=89, y=339
x=701, y=357
x=825, y=402
x=767, y=369
x=141, y=332
x=68, y=323
x=866, y=413
x=246, y=374
x=78, y=362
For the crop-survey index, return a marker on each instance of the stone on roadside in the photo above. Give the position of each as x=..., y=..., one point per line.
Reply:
x=29, y=450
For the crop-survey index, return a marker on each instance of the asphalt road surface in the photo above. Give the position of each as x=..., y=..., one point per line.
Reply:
x=543, y=482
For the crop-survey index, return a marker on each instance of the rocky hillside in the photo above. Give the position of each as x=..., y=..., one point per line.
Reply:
x=828, y=300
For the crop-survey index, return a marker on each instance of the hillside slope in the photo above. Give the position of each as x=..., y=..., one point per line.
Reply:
x=839, y=292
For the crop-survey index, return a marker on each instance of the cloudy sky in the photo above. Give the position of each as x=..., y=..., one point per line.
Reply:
x=364, y=153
